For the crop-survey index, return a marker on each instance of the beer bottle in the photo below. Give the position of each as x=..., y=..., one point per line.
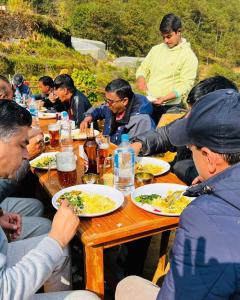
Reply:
x=90, y=148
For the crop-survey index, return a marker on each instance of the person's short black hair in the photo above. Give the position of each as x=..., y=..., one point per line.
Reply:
x=46, y=81
x=169, y=23
x=12, y=117
x=121, y=87
x=230, y=158
x=3, y=78
x=64, y=81
x=209, y=85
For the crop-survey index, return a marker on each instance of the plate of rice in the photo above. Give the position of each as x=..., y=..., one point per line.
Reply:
x=90, y=200
x=151, y=165
x=164, y=199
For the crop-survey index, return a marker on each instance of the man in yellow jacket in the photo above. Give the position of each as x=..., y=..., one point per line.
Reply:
x=168, y=72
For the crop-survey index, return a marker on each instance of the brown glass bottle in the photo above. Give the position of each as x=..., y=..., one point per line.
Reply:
x=90, y=148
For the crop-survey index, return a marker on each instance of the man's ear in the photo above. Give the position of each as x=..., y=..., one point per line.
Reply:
x=125, y=101
x=210, y=159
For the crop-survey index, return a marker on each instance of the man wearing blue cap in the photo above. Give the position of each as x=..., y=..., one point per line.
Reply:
x=205, y=261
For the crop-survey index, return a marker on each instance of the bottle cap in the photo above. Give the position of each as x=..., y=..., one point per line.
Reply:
x=64, y=115
x=124, y=138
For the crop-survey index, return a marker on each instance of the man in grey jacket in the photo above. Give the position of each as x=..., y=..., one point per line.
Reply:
x=30, y=209
x=26, y=265
x=123, y=112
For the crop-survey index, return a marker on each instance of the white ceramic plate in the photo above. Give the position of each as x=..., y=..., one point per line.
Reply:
x=45, y=115
x=99, y=189
x=47, y=154
x=76, y=135
x=156, y=188
x=153, y=161
x=151, y=98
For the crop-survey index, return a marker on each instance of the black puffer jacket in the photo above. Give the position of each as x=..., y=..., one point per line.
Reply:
x=79, y=104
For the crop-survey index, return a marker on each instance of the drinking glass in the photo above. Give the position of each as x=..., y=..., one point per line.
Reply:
x=66, y=168
x=66, y=136
x=90, y=178
x=103, y=142
x=143, y=178
x=54, y=134
x=107, y=176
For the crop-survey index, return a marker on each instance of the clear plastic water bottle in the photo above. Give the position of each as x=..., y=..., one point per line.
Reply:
x=124, y=160
x=33, y=109
x=18, y=97
x=65, y=132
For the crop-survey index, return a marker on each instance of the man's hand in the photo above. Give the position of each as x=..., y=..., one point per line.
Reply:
x=141, y=84
x=84, y=124
x=12, y=224
x=36, y=145
x=197, y=180
x=137, y=146
x=64, y=225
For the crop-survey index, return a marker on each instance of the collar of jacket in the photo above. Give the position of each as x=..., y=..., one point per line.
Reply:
x=126, y=117
x=212, y=184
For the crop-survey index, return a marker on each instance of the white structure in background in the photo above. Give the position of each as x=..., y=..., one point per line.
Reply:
x=96, y=49
x=128, y=61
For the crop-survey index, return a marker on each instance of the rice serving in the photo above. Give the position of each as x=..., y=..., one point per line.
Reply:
x=87, y=203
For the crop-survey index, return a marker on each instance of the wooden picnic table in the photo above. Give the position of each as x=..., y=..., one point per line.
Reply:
x=126, y=224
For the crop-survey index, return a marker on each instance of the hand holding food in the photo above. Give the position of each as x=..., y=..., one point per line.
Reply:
x=64, y=225
x=84, y=124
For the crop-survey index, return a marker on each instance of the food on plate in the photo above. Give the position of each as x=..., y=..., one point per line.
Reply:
x=44, y=161
x=173, y=203
x=87, y=203
x=149, y=168
x=81, y=135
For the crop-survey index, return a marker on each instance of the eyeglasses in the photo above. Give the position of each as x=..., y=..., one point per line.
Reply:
x=111, y=102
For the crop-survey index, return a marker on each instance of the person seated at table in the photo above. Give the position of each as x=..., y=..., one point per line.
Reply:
x=158, y=141
x=47, y=95
x=18, y=84
x=75, y=102
x=123, y=112
x=205, y=257
x=30, y=209
x=26, y=265
x=27, y=210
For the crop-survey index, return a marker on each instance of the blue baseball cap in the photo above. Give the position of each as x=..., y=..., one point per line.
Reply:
x=214, y=122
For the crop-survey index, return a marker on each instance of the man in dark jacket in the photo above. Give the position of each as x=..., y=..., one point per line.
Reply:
x=124, y=112
x=47, y=95
x=205, y=259
x=76, y=103
x=157, y=141
x=18, y=84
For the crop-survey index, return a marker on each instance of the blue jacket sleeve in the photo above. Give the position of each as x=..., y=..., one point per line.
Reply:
x=97, y=113
x=199, y=265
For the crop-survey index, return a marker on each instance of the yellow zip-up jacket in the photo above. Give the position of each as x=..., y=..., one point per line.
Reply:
x=169, y=70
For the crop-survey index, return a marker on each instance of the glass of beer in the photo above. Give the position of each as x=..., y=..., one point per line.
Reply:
x=66, y=168
x=54, y=134
x=103, y=142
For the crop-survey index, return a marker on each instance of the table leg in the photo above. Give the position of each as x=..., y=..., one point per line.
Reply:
x=94, y=271
x=160, y=271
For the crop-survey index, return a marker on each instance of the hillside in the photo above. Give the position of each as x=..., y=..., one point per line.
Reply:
x=36, y=41
x=32, y=45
